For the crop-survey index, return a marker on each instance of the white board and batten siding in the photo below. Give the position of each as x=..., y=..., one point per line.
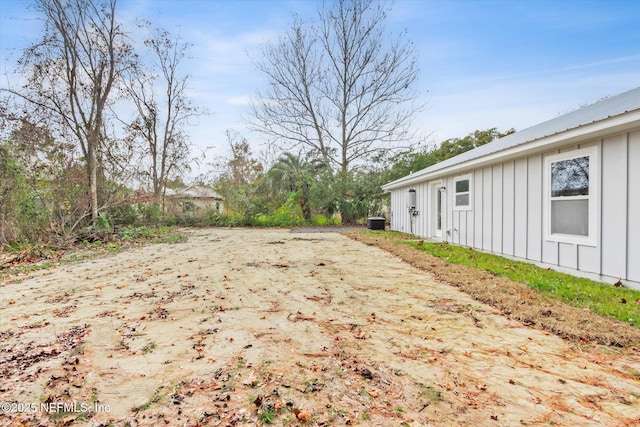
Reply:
x=509, y=207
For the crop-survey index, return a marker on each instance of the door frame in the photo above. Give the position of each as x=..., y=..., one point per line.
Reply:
x=437, y=210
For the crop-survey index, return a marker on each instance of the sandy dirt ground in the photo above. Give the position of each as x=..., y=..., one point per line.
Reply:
x=245, y=327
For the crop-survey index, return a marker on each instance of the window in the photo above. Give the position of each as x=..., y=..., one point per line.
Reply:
x=571, y=185
x=188, y=206
x=462, y=197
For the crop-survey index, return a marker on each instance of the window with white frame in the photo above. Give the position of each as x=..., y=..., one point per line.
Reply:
x=572, y=187
x=462, y=196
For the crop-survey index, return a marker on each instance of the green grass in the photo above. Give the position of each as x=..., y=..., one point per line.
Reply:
x=267, y=415
x=159, y=394
x=162, y=234
x=172, y=237
x=618, y=302
x=149, y=347
x=430, y=393
x=27, y=268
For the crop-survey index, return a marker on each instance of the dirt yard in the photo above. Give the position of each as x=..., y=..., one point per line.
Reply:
x=249, y=327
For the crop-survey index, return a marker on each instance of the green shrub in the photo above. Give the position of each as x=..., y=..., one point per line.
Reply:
x=322, y=220
x=151, y=214
x=125, y=215
x=284, y=216
x=103, y=223
x=170, y=221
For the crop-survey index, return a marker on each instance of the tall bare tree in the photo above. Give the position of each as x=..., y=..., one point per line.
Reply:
x=342, y=88
x=163, y=108
x=71, y=75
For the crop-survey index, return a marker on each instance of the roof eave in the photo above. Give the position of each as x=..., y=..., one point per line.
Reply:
x=597, y=129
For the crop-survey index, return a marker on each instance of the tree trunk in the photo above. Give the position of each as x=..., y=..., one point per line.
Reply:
x=304, y=207
x=93, y=181
x=345, y=215
x=3, y=237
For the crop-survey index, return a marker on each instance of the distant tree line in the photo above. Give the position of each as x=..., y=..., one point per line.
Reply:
x=301, y=189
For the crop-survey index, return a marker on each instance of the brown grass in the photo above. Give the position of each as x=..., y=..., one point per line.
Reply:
x=516, y=300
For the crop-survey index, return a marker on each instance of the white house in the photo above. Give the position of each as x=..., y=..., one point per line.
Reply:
x=563, y=194
x=194, y=201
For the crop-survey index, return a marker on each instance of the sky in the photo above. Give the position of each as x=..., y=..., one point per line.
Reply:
x=483, y=64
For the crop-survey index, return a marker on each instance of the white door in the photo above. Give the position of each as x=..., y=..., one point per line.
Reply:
x=437, y=208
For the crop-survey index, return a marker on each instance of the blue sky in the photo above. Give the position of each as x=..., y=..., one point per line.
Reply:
x=483, y=63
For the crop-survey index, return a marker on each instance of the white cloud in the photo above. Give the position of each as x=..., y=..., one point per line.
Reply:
x=241, y=101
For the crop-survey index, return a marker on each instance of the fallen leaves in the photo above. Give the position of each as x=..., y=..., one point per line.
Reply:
x=299, y=317
x=161, y=312
x=409, y=356
x=302, y=415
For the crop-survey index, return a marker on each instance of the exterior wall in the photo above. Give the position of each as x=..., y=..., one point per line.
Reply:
x=199, y=207
x=401, y=219
x=633, y=206
x=508, y=214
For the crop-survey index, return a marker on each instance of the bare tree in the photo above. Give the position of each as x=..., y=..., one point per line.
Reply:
x=71, y=73
x=163, y=109
x=343, y=88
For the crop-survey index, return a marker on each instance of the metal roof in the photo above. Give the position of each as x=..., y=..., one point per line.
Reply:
x=601, y=110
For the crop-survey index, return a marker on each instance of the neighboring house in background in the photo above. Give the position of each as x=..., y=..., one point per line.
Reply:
x=563, y=194
x=193, y=201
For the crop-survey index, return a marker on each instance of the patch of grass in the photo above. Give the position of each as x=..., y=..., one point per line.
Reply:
x=431, y=394
x=170, y=238
x=333, y=414
x=161, y=234
x=157, y=396
x=309, y=384
x=28, y=268
x=149, y=347
x=632, y=371
x=267, y=415
x=395, y=235
x=144, y=406
x=94, y=395
x=241, y=364
x=618, y=302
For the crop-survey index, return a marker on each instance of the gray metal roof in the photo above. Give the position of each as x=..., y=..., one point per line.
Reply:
x=601, y=110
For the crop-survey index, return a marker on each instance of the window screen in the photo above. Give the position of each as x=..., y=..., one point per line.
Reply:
x=570, y=217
